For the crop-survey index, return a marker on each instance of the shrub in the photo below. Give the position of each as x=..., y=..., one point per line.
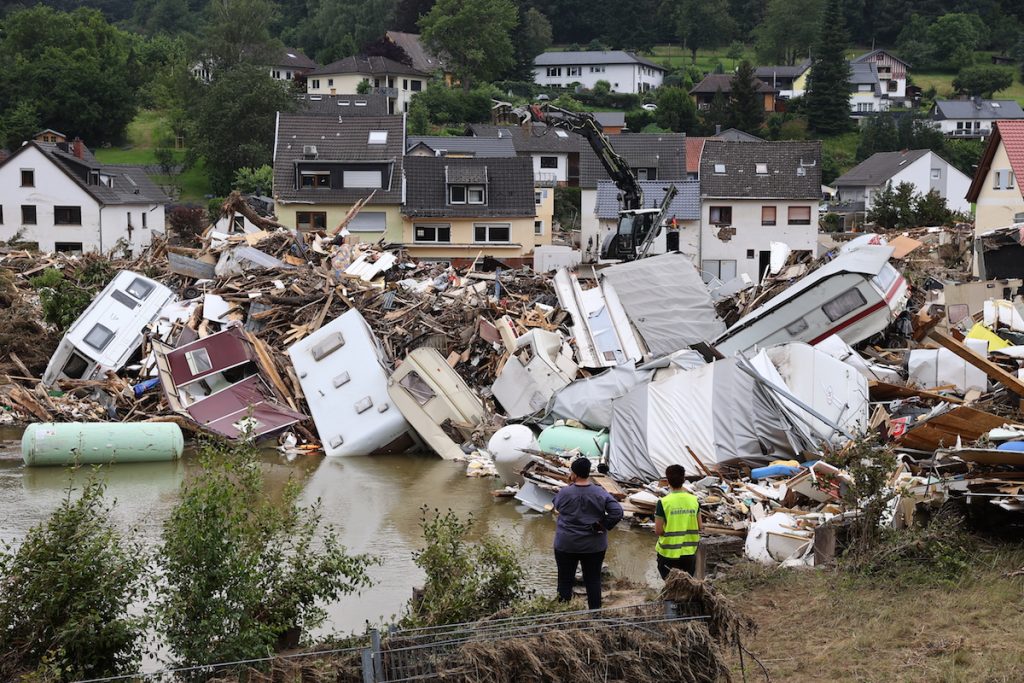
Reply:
x=567, y=206
x=62, y=300
x=187, y=221
x=464, y=581
x=254, y=180
x=65, y=594
x=244, y=575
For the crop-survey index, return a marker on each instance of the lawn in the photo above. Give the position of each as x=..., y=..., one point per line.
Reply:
x=943, y=84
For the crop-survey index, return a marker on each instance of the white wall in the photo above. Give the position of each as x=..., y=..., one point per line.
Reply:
x=345, y=84
x=751, y=235
x=972, y=128
x=589, y=228
x=624, y=78
x=951, y=184
x=561, y=173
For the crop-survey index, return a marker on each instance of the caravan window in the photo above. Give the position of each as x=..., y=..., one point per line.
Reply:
x=417, y=387
x=886, y=277
x=139, y=288
x=844, y=304
x=198, y=361
x=75, y=367
x=98, y=337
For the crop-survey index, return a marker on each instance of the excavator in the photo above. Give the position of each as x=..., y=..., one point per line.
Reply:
x=637, y=227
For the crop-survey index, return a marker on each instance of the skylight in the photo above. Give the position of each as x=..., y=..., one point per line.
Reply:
x=719, y=168
x=561, y=134
x=761, y=169
x=378, y=137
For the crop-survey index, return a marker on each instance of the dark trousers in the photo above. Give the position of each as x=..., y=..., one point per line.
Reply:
x=688, y=563
x=591, y=563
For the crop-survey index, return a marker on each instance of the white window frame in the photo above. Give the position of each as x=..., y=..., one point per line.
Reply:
x=482, y=194
x=554, y=72
x=315, y=84
x=538, y=227
x=377, y=137
x=436, y=227
x=488, y=227
x=451, y=194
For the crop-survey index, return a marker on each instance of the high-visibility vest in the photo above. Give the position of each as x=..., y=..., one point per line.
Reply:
x=680, y=536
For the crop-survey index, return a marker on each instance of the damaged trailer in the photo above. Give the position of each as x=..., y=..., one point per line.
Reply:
x=217, y=382
x=110, y=330
x=854, y=296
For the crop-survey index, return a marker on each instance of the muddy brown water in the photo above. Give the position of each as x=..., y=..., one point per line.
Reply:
x=375, y=501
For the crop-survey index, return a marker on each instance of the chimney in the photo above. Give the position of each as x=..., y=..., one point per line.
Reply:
x=977, y=101
x=718, y=129
x=77, y=148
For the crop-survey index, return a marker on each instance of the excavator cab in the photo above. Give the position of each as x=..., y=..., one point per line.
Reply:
x=632, y=232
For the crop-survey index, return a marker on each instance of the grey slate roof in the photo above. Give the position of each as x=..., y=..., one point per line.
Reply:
x=509, y=187
x=345, y=141
x=685, y=207
x=535, y=139
x=878, y=168
x=370, y=66
x=977, y=109
x=865, y=73
x=741, y=179
x=344, y=105
x=464, y=144
x=666, y=152
x=131, y=185
x=712, y=83
x=294, y=58
x=592, y=57
x=421, y=58
x=766, y=72
x=867, y=56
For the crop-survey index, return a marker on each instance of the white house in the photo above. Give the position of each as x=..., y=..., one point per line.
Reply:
x=973, y=118
x=891, y=71
x=59, y=197
x=555, y=152
x=624, y=71
x=753, y=194
x=922, y=168
x=399, y=82
x=292, y=64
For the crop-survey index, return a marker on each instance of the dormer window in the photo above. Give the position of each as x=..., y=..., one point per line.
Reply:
x=467, y=194
x=378, y=137
x=315, y=179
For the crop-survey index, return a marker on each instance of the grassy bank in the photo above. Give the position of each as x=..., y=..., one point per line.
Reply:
x=823, y=625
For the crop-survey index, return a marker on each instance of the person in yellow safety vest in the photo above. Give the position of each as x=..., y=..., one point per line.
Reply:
x=677, y=525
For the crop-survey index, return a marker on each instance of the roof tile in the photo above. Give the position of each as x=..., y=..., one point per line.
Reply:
x=665, y=152
x=509, y=187
x=794, y=169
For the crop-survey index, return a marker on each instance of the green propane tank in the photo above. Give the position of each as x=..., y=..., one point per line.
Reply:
x=100, y=443
x=558, y=438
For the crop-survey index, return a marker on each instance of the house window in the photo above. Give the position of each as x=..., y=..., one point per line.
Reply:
x=549, y=162
x=467, y=194
x=377, y=137
x=641, y=174
x=1003, y=180
x=198, y=361
x=750, y=253
x=98, y=337
x=719, y=168
x=311, y=220
x=28, y=177
x=799, y=215
x=538, y=197
x=416, y=85
x=720, y=215
x=315, y=84
x=476, y=194
x=363, y=179
x=936, y=173
x=330, y=82
x=597, y=69
x=315, y=179
x=67, y=215
x=538, y=227
x=722, y=270
x=554, y=71
x=68, y=248
x=500, y=232
x=768, y=215
x=844, y=304
x=457, y=194
x=432, y=233
x=405, y=84
x=1, y=215
x=145, y=221
x=891, y=86
x=28, y=214
x=573, y=71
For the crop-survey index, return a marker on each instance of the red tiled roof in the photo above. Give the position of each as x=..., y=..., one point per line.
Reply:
x=1012, y=134
x=694, y=147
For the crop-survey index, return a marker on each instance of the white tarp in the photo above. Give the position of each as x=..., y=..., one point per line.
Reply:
x=840, y=350
x=930, y=368
x=590, y=400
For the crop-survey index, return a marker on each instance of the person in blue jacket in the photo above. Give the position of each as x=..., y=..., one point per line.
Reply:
x=586, y=513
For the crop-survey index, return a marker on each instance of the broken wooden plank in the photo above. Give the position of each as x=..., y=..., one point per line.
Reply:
x=993, y=371
x=884, y=391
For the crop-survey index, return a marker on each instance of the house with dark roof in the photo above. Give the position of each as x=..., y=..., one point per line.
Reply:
x=973, y=118
x=654, y=157
x=924, y=169
x=291, y=65
x=461, y=146
x=324, y=164
x=683, y=215
x=458, y=208
x=393, y=79
x=704, y=92
x=996, y=188
x=891, y=71
x=789, y=81
x=624, y=71
x=753, y=194
x=555, y=152
x=611, y=122
x=61, y=198
x=343, y=105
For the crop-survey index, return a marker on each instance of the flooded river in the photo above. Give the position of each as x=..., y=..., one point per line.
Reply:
x=375, y=501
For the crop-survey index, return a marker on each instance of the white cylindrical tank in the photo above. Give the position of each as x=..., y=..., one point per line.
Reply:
x=506, y=446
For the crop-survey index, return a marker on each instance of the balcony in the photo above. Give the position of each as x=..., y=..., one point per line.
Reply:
x=387, y=92
x=970, y=133
x=545, y=178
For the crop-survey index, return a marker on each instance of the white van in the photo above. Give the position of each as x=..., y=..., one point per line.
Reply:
x=854, y=296
x=109, y=331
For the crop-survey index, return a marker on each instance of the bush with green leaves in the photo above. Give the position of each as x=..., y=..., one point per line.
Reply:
x=65, y=595
x=62, y=300
x=464, y=581
x=254, y=180
x=244, y=574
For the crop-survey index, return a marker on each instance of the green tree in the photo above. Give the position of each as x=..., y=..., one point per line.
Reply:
x=473, y=35
x=955, y=37
x=254, y=180
x=676, y=111
x=828, y=96
x=703, y=24
x=747, y=102
x=531, y=37
x=931, y=209
x=242, y=572
x=19, y=125
x=334, y=29
x=419, y=118
x=788, y=30
x=718, y=116
x=232, y=122
x=892, y=207
x=65, y=593
x=79, y=73
x=364, y=87
x=238, y=32
x=984, y=80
